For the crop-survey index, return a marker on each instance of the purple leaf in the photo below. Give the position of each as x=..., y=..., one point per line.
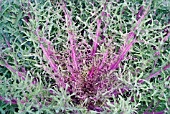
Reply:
x=115, y=65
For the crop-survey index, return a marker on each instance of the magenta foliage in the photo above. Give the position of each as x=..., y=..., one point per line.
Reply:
x=139, y=13
x=20, y=74
x=166, y=38
x=47, y=56
x=71, y=36
x=86, y=72
x=155, y=74
x=159, y=71
x=97, y=36
x=141, y=18
x=115, y=65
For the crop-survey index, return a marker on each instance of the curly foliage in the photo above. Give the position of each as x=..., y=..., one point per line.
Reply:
x=84, y=56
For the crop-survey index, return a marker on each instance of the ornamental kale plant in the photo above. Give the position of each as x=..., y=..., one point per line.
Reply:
x=85, y=56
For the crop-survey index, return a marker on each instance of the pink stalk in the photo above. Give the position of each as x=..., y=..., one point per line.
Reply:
x=48, y=71
x=53, y=65
x=155, y=74
x=141, y=81
x=166, y=67
x=50, y=48
x=91, y=72
x=10, y=68
x=67, y=16
x=7, y=42
x=104, y=59
x=158, y=72
x=166, y=37
x=68, y=67
x=97, y=36
x=131, y=35
x=115, y=65
x=46, y=52
x=73, y=52
x=139, y=12
x=168, y=78
x=142, y=17
x=14, y=71
x=99, y=21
